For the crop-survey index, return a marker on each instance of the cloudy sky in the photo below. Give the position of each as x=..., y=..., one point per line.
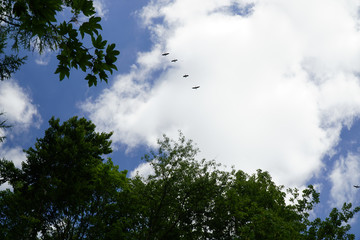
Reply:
x=279, y=88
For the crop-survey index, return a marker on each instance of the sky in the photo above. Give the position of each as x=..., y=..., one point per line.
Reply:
x=279, y=88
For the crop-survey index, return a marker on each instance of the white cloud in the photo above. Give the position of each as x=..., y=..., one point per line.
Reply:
x=17, y=106
x=5, y=186
x=344, y=175
x=16, y=155
x=143, y=170
x=43, y=58
x=100, y=8
x=276, y=86
x=20, y=113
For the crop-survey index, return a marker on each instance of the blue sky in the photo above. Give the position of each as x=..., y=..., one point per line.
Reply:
x=279, y=88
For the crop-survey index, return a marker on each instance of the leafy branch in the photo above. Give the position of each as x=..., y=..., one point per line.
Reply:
x=33, y=25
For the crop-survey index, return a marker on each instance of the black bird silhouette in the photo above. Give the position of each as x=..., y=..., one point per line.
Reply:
x=165, y=54
x=195, y=87
x=186, y=75
x=356, y=186
x=174, y=60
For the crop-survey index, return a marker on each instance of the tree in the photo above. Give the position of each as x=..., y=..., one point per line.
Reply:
x=3, y=125
x=65, y=188
x=35, y=25
x=254, y=207
x=335, y=226
x=176, y=201
x=189, y=199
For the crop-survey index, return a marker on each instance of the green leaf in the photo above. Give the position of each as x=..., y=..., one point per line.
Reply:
x=19, y=8
x=62, y=71
x=62, y=76
x=91, y=80
x=88, y=8
x=39, y=22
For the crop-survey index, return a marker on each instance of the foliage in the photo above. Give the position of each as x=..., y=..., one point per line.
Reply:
x=35, y=25
x=335, y=226
x=189, y=199
x=176, y=201
x=65, y=190
x=3, y=125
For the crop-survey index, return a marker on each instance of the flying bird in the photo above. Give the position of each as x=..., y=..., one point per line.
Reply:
x=195, y=87
x=174, y=60
x=186, y=75
x=356, y=186
x=165, y=54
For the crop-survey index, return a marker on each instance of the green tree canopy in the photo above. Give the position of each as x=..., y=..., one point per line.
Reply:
x=35, y=25
x=66, y=190
x=3, y=125
x=189, y=199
